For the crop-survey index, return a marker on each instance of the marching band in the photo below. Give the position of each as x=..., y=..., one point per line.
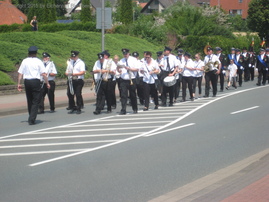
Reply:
x=148, y=79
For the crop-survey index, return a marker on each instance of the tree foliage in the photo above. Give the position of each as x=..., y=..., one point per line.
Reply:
x=126, y=11
x=85, y=15
x=258, y=17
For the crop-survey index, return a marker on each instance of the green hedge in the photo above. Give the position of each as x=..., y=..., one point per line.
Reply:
x=5, y=79
x=52, y=27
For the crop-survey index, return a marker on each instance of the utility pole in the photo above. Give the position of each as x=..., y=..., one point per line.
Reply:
x=103, y=24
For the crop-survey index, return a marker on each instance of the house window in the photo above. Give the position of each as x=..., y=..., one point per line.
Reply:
x=235, y=12
x=156, y=2
x=240, y=1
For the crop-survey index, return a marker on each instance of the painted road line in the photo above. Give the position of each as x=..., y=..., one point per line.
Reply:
x=164, y=131
x=43, y=152
x=58, y=144
x=69, y=137
x=244, y=110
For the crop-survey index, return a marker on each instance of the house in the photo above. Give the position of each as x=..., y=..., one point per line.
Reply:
x=233, y=7
x=10, y=14
x=75, y=5
x=160, y=5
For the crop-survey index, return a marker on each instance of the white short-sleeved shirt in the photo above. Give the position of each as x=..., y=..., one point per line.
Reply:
x=232, y=70
x=76, y=67
x=50, y=68
x=212, y=58
x=132, y=63
x=188, y=72
x=32, y=68
x=147, y=78
x=198, y=65
x=107, y=64
x=173, y=62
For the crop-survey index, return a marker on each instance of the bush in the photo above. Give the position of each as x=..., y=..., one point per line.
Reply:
x=5, y=79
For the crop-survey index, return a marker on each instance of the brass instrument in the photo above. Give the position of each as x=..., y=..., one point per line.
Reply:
x=206, y=47
x=108, y=67
x=210, y=66
x=129, y=73
x=70, y=82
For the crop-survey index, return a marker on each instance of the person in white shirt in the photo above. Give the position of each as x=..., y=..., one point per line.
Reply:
x=127, y=67
x=198, y=74
x=150, y=69
x=31, y=70
x=75, y=71
x=232, y=74
x=169, y=68
x=214, y=64
x=104, y=70
x=180, y=57
x=51, y=73
x=187, y=77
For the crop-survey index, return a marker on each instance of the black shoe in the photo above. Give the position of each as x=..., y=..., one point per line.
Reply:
x=170, y=104
x=221, y=90
x=78, y=112
x=214, y=96
x=113, y=106
x=108, y=111
x=96, y=112
x=31, y=123
x=163, y=105
x=68, y=108
x=40, y=112
x=52, y=111
x=135, y=112
x=122, y=112
x=156, y=107
x=205, y=96
x=183, y=100
x=258, y=84
x=72, y=111
x=145, y=109
x=192, y=99
x=227, y=88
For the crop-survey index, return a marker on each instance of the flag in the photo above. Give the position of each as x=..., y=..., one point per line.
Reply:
x=252, y=42
x=262, y=43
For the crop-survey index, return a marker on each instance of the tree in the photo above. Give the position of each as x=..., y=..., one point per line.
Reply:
x=258, y=17
x=85, y=15
x=126, y=10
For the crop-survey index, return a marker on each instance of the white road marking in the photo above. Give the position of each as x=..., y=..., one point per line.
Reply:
x=57, y=144
x=164, y=131
x=69, y=137
x=43, y=152
x=243, y=110
x=143, y=134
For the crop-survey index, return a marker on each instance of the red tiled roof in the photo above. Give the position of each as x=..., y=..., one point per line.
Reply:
x=142, y=5
x=10, y=14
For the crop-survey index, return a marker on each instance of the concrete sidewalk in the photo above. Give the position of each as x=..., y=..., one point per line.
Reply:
x=16, y=103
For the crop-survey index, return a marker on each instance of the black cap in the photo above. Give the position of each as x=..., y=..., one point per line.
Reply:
x=100, y=55
x=232, y=49
x=250, y=49
x=45, y=55
x=74, y=53
x=267, y=49
x=136, y=54
x=180, y=51
x=187, y=54
x=167, y=49
x=105, y=52
x=32, y=49
x=237, y=50
x=159, y=53
x=125, y=51
x=218, y=49
x=244, y=48
x=262, y=49
x=209, y=49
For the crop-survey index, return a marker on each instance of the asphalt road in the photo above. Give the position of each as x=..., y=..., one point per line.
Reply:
x=135, y=157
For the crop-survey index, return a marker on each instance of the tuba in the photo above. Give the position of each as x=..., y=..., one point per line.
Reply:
x=206, y=47
x=108, y=67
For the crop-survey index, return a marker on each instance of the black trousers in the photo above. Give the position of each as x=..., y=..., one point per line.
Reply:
x=199, y=80
x=187, y=81
x=210, y=77
x=50, y=92
x=150, y=89
x=126, y=87
x=221, y=80
x=177, y=87
x=105, y=90
x=262, y=76
x=77, y=85
x=240, y=76
x=140, y=90
x=246, y=73
x=251, y=71
x=32, y=89
x=113, y=93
